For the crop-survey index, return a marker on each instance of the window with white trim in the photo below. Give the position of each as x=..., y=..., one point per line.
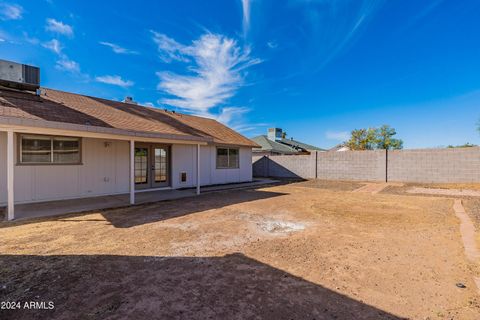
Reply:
x=38, y=149
x=228, y=158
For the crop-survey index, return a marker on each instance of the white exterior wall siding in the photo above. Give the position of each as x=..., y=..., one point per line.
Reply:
x=105, y=171
x=221, y=176
x=3, y=168
x=184, y=159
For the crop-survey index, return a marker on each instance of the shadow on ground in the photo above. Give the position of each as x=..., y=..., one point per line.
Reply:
x=138, y=287
x=159, y=211
x=132, y=216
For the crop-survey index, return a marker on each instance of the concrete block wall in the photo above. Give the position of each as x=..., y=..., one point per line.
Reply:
x=435, y=165
x=259, y=166
x=302, y=166
x=421, y=165
x=352, y=165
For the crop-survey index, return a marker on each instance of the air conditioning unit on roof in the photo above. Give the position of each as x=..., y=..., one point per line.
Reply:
x=19, y=76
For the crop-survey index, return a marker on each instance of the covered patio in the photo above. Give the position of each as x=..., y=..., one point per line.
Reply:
x=16, y=211
x=60, y=207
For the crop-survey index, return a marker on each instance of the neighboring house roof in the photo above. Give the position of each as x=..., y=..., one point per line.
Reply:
x=339, y=147
x=58, y=106
x=272, y=146
x=285, y=146
x=302, y=145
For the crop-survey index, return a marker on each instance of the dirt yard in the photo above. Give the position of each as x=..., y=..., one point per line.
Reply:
x=284, y=252
x=471, y=203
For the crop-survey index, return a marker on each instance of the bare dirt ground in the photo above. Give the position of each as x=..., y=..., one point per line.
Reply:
x=331, y=185
x=471, y=203
x=403, y=188
x=472, y=207
x=281, y=252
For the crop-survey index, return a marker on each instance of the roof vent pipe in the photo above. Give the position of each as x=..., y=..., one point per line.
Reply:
x=129, y=100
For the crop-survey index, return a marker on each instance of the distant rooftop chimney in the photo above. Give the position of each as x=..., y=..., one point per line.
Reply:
x=275, y=134
x=19, y=76
x=129, y=100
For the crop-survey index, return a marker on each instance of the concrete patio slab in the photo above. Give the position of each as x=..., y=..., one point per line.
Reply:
x=52, y=208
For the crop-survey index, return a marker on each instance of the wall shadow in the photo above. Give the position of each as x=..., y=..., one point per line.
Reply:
x=146, y=287
x=265, y=167
x=42, y=108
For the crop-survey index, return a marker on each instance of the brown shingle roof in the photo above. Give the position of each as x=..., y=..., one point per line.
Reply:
x=59, y=106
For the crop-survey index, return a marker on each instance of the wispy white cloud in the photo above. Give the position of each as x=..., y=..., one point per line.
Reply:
x=217, y=70
x=337, y=135
x=228, y=114
x=53, y=45
x=272, y=44
x=234, y=117
x=65, y=64
x=31, y=40
x=431, y=6
x=10, y=11
x=59, y=27
x=329, y=28
x=118, y=49
x=246, y=16
x=115, y=80
x=168, y=48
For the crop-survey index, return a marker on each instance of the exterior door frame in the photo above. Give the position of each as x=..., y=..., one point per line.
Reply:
x=168, y=175
x=151, y=184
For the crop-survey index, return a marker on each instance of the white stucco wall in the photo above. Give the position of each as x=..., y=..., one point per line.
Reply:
x=105, y=170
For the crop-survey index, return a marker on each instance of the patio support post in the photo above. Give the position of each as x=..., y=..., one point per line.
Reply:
x=10, y=176
x=132, y=171
x=198, y=168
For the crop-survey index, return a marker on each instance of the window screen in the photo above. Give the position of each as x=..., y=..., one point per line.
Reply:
x=227, y=158
x=66, y=150
x=36, y=149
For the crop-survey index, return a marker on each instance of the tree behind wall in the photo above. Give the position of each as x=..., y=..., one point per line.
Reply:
x=465, y=145
x=373, y=138
x=362, y=139
x=385, y=138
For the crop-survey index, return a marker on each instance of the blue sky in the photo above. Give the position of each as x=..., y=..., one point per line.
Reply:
x=316, y=68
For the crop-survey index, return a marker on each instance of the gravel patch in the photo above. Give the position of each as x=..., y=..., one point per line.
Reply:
x=445, y=192
x=330, y=185
x=472, y=206
x=273, y=226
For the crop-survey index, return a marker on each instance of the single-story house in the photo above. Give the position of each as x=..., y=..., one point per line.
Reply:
x=58, y=145
x=276, y=143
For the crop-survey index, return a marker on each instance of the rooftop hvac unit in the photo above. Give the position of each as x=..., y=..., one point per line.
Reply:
x=19, y=76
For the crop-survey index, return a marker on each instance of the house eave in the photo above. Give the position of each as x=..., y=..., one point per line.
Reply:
x=63, y=128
